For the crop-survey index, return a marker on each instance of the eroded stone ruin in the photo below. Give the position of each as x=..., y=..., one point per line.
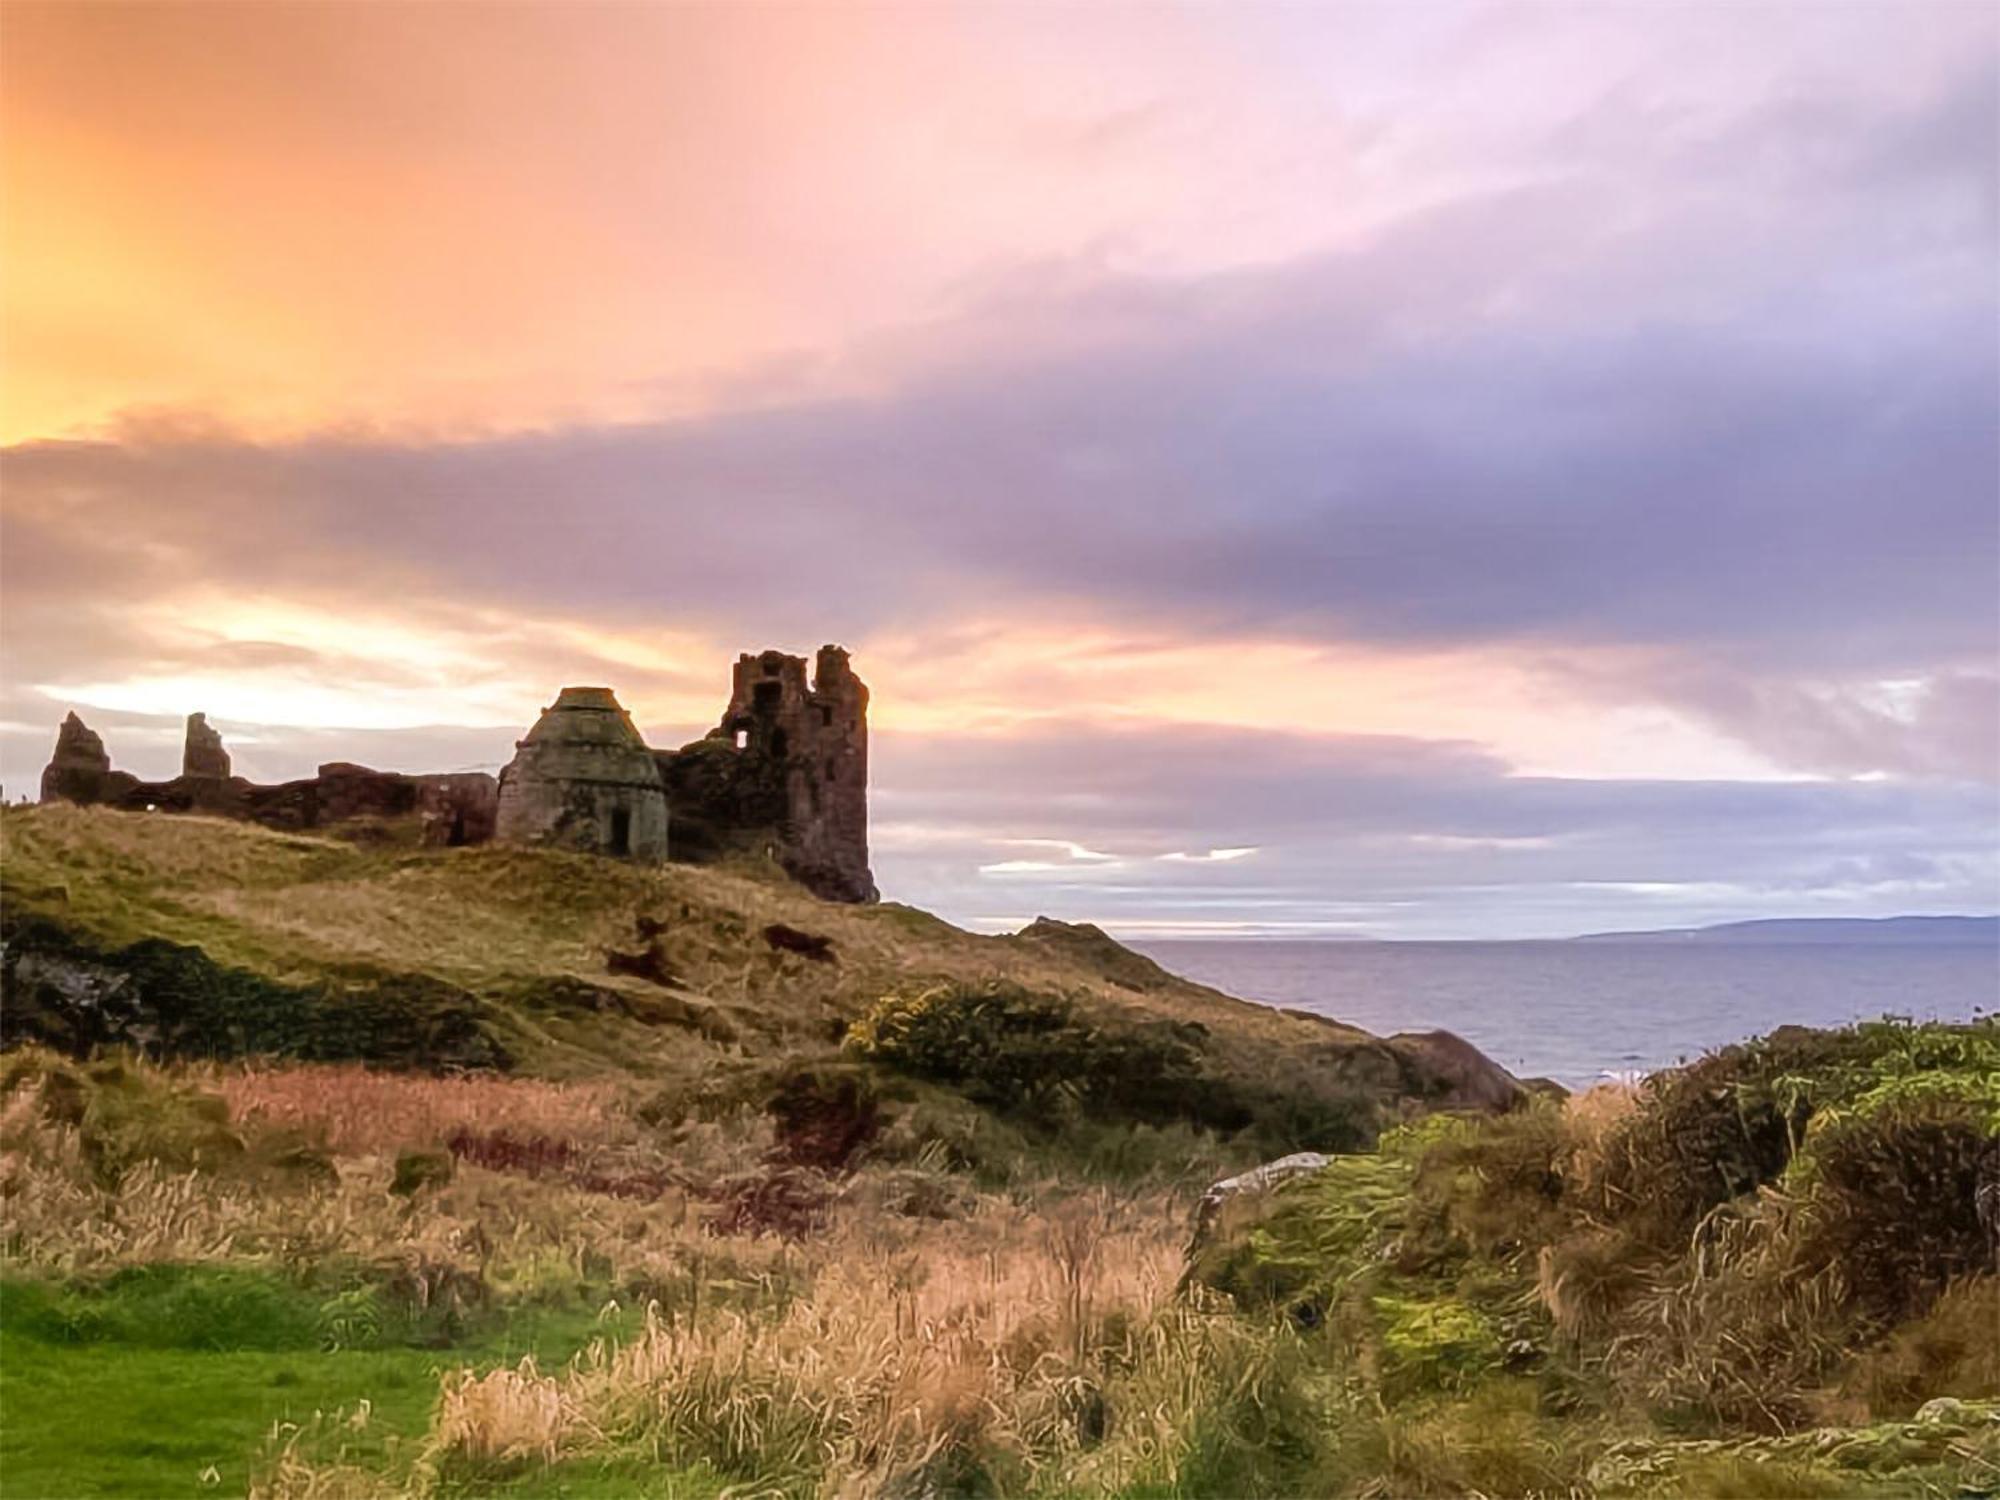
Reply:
x=783, y=776
x=453, y=809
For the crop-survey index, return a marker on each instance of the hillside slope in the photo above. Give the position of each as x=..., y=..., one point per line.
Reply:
x=565, y=966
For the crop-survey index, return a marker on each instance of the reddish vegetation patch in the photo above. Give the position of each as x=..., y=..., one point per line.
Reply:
x=788, y=1203
x=539, y=1156
x=823, y=1122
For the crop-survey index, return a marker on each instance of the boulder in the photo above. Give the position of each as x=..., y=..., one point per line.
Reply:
x=1455, y=1074
x=1236, y=1201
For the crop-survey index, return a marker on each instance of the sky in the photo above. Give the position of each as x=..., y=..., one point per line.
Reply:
x=1314, y=470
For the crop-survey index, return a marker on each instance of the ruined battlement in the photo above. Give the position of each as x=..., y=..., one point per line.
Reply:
x=783, y=775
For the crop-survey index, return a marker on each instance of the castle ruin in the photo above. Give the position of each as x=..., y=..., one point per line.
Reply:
x=783, y=776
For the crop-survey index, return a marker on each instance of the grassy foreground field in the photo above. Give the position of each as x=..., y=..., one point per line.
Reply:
x=713, y=1215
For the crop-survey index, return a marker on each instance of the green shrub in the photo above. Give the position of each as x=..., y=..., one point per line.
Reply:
x=1494, y=1186
x=1950, y=1351
x=1320, y=1237
x=1446, y=1344
x=1892, y=1201
x=1734, y=1120
x=1042, y=1058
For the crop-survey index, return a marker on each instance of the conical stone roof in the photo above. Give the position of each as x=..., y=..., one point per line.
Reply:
x=586, y=736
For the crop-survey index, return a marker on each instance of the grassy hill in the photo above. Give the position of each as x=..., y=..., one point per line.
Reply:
x=567, y=966
x=356, y=1170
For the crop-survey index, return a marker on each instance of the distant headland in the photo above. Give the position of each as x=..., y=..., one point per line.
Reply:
x=1957, y=931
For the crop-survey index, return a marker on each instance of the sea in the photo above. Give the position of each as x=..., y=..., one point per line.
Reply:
x=1583, y=1013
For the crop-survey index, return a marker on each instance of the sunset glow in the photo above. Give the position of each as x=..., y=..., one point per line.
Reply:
x=1446, y=471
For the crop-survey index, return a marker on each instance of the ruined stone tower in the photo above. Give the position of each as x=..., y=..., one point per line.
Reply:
x=784, y=774
x=584, y=780
x=202, y=754
x=80, y=770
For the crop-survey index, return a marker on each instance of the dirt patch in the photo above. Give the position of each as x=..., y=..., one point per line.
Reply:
x=806, y=944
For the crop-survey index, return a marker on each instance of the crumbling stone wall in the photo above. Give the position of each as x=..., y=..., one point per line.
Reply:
x=455, y=809
x=80, y=770
x=785, y=774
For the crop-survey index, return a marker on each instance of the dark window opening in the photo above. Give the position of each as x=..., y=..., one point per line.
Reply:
x=765, y=697
x=825, y=716
x=621, y=830
x=778, y=743
x=456, y=838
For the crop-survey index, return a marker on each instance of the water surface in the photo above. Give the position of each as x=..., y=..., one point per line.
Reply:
x=1577, y=1012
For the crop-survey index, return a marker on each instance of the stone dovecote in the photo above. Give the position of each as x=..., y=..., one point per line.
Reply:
x=583, y=779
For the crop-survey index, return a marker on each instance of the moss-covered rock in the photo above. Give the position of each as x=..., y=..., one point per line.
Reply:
x=166, y=999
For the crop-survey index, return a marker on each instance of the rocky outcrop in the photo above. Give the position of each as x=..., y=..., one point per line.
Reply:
x=1091, y=944
x=65, y=990
x=1454, y=1073
x=203, y=755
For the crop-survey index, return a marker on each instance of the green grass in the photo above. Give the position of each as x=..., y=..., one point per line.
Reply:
x=111, y=1419
x=140, y=1386
x=589, y=1479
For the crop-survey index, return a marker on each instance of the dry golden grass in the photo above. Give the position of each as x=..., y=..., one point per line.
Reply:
x=881, y=1348
x=521, y=1233
x=987, y=1345
x=356, y=1111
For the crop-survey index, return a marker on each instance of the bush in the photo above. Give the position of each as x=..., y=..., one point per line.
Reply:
x=1950, y=1351
x=1445, y=1344
x=1893, y=1202
x=1041, y=1058
x=1734, y=1120
x=1495, y=1187
x=1321, y=1236
x=824, y=1115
